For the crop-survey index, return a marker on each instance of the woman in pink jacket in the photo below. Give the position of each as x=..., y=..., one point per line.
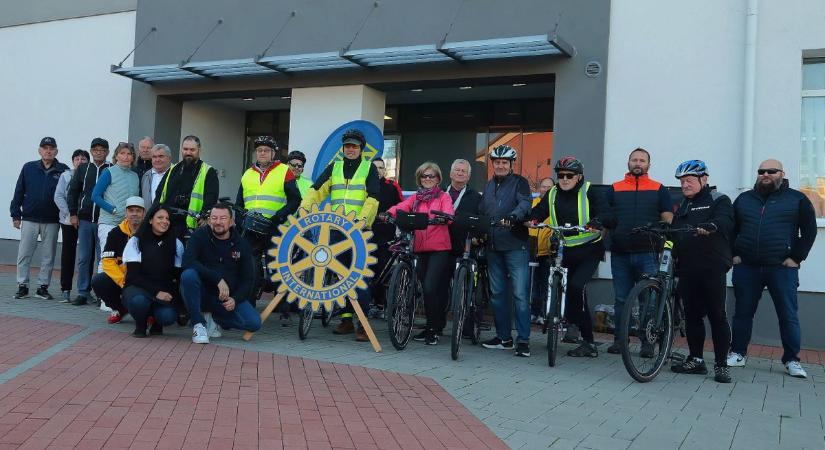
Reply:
x=432, y=247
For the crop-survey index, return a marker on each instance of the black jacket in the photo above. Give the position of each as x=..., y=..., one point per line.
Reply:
x=235, y=268
x=388, y=196
x=698, y=253
x=468, y=204
x=769, y=229
x=182, y=179
x=79, y=195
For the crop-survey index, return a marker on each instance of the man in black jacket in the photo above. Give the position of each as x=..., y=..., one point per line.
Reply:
x=217, y=277
x=84, y=214
x=774, y=230
x=702, y=262
x=382, y=232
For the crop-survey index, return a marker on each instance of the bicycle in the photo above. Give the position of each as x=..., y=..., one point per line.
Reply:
x=556, y=304
x=652, y=312
x=404, y=292
x=467, y=280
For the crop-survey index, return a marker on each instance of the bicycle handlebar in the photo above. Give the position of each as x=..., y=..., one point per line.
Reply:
x=563, y=228
x=660, y=230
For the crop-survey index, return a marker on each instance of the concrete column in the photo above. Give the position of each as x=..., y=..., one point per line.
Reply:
x=316, y=112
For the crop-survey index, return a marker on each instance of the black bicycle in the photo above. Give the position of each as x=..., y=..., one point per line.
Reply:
x=652, y=311
x=404, y=292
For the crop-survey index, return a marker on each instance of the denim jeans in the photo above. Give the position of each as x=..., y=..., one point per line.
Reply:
x=627, y=269
x=748, y=284
x=142, y=305
x=199, y=296
x=88, y=250
x=500, y=265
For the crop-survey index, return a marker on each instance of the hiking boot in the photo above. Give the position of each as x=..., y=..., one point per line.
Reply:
x=43, y=292
x=80, y=300
x=361, y=334
x=523, y=349
x=614, y=348
x=692, y=366
x=722, y=374
x=345, y=327
x=22, y=291
x=498, y=344
x=586, y=349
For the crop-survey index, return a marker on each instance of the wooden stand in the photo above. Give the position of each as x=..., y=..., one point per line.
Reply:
x=355, y=305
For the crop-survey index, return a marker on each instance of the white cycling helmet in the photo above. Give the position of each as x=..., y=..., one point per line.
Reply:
x=503, y=152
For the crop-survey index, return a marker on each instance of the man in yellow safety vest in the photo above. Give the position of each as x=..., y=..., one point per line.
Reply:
x=352, y=183
x=269, y=194
x=190, y=185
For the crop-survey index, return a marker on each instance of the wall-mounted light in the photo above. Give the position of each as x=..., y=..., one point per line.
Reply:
x=416, y=90
x=386, y=117
x=248, y=99
x=519, y=84
x=464, y=88
x=286, y=97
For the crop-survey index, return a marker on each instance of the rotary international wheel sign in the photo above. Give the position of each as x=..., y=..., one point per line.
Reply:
x=320, y=259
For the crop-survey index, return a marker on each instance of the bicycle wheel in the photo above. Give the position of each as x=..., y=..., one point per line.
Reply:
x=401, y=299
x=645, y=341
x=475, y=312
x=553, y=319
x=305, y=321
x=459, y=298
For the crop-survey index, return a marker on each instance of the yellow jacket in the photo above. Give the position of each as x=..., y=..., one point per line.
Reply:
x=543, y=235
x=112, y=256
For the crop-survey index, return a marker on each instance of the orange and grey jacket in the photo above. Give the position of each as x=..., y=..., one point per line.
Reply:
x=112, y=256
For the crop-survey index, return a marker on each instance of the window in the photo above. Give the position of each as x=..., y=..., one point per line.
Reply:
x=391, y=157
x=812, y=163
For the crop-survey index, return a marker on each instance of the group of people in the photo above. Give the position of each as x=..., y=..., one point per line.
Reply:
x=141, y=213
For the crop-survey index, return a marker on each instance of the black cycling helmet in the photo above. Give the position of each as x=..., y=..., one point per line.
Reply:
x=295, y=154
x=353, y=136
x=268, y=141
x=503, y=152
x=569, y=163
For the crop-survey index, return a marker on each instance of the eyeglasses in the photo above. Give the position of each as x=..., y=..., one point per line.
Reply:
x=768, y=171
x=428, y=176
x=296, y=166
x=566, y=176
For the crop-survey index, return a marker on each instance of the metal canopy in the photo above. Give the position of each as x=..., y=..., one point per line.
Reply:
x=489, y=49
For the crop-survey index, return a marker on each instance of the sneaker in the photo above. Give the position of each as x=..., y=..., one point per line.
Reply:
x=586, y=349
x=523, y=349
x=539, y=320
x=722, y=374
x=80, y=300
x=212, y=328
x=361, y=334
x=43, y=292
x=571, y=335
x=421, y=337
x=156, y=329
x=693, y=366
x=794, y=369
x=736, y=360
x=114, y=317
x=199, y=335
x=534, y=318
x=431, y=338
x=66, y=297
x=614, y=348
x=498, y=344
x=345, y=327
x=286, y=320
x=103, y=307
x=140, y=332
x=647, y=350
x=22, y=291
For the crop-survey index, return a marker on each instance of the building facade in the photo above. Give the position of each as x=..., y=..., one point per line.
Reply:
x=732, y=83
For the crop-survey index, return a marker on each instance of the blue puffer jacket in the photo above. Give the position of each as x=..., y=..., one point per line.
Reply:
x=508, y=196
x=771, y=228
x=33, y=198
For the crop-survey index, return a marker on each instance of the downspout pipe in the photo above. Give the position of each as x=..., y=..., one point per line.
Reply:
x=748, y=110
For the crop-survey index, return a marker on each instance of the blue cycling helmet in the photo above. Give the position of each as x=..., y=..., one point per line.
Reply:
x=695, y=167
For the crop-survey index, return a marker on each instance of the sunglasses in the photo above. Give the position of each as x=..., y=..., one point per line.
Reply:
x=427, y=176
x=297, y=166
x=768, y=171
x=566, y=176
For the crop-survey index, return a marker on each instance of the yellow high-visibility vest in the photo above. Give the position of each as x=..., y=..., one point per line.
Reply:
x=195, y=199
x=583, y=217
x=268, y=197
x=352, y=193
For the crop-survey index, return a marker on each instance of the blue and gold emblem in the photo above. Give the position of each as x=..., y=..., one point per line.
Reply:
x=321, y=257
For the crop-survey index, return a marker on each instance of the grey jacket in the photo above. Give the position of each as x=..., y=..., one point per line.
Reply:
x=146, y=187
x=60, y=196
x=502, y=198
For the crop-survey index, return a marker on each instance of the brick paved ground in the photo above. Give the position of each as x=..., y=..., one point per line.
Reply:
x=590, y=403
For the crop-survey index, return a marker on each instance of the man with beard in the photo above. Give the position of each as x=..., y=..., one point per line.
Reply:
x=775, y=228
x=634, y=201
x=191, y=185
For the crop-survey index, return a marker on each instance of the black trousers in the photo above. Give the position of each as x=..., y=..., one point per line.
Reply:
x=433, y=268
x=108, y=292
x=382, y=256
x=703, y=294
x=581, y=262
x=68, y=253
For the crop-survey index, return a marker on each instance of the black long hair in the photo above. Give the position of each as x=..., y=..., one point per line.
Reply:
x=147, y=237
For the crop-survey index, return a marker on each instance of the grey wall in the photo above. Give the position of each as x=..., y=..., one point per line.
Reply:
x=16, y=12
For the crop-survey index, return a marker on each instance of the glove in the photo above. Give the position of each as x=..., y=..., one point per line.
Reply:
x=595, y=224
x=710, y=227
x=383, y=216
x=664, y=226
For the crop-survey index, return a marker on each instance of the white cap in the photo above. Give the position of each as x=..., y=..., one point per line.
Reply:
x=135, y=201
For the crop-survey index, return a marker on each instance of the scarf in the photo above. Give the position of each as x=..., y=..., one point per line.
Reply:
x=425, y=195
